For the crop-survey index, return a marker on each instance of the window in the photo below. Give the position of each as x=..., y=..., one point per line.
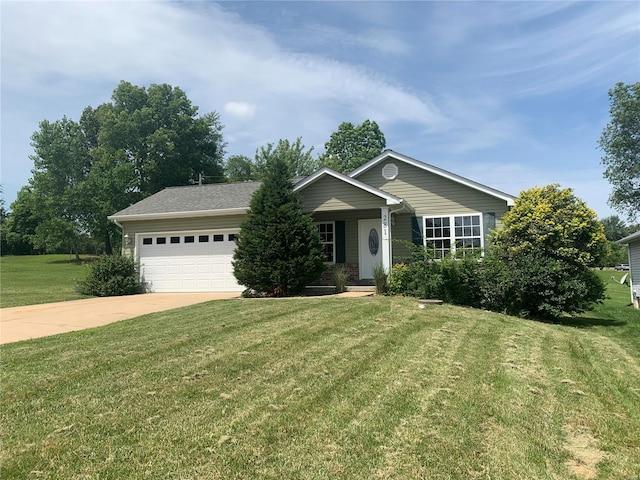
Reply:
x=175, y=240
x=189, y=239
x=232, y=237
x=203, y=238
x=147, y=241
x=326, y=231
x=161, y=240
x=218, y=238
x=453, y=233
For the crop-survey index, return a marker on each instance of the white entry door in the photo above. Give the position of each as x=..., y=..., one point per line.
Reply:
x=369, y=246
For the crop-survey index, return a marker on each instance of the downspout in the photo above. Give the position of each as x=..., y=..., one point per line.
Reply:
x=118, y=224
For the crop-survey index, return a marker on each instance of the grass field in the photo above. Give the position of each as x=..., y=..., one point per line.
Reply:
x=328, y=388
x=33, y=279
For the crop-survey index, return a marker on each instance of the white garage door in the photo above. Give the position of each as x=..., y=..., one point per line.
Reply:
x=188, y=262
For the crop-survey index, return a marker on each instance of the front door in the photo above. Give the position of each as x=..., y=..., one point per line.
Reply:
x=369, y=246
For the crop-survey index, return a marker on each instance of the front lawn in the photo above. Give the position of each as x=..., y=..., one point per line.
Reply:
x=327, y=388
x=33, y=279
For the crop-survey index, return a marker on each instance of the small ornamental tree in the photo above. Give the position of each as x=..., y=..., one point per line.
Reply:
x=278, y=250
x=548, y=244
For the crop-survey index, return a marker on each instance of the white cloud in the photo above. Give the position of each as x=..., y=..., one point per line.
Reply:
x=437, y=76
x=240, y=109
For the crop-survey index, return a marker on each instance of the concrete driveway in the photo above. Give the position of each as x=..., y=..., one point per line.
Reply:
x=33, y=321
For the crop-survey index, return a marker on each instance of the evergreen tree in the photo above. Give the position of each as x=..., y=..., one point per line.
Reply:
x=278, y=251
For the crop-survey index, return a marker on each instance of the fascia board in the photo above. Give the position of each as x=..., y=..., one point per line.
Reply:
x=630, y=238
x=166, y=215
x=435, y=170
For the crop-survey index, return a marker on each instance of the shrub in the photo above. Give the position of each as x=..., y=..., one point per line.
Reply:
x=536, y=286
x=401, y=280
x=459, y=280
x=340, y=277
x=548, y=243
x=111, y=275
x=380, y=279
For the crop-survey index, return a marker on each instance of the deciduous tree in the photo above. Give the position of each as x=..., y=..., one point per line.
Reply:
x=620, y=142
x=298, y=161
x=240, y=169
x=145, y=139
x=351, y=146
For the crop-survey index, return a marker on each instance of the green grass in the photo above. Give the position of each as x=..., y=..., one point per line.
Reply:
x=33, y=279
x=327, y=388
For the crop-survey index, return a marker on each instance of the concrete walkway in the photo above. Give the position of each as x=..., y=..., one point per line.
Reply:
x=34, y=321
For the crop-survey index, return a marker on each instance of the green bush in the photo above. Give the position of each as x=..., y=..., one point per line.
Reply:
x=380, y=279
x=112, y=275
x=340, y=277
x=401, y=281
x=536, y=286
x=459, y=280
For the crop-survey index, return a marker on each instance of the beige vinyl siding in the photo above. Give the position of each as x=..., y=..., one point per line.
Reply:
x=351, y=227
x=431, y=194
x=330, y=194
x=400, y=234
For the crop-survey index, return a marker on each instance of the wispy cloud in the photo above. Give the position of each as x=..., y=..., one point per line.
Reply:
x=456, y=79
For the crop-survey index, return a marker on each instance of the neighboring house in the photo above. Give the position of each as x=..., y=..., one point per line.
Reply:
x=633, y=241
x=183, y=237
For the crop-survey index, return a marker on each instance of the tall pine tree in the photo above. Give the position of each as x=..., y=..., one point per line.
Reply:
x=278, y=251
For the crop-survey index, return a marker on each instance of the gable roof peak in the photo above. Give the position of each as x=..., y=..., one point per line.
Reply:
x=389, y=153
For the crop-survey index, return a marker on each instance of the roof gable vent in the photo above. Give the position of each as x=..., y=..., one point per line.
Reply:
x=390, y=171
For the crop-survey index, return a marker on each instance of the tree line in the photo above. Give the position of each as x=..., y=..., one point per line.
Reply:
x=143, y=140
x=146, y=139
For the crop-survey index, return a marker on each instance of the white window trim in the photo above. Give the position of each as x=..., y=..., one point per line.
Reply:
x=452, y=237
x=333, y=223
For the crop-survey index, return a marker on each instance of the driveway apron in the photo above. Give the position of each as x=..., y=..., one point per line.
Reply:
x=34, y=321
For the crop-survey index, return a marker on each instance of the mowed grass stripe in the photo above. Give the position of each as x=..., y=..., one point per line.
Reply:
x=318, y=388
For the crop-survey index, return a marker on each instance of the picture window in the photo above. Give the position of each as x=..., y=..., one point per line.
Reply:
x=453, y=233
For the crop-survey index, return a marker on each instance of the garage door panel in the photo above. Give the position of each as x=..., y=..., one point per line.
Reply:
x=188, y=267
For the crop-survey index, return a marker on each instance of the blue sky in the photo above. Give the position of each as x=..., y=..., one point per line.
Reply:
x=510, y=94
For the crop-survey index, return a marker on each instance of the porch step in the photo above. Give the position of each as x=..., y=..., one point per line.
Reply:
x=331, y=289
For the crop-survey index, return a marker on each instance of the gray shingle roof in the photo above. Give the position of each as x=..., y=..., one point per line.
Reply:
x=193, y=198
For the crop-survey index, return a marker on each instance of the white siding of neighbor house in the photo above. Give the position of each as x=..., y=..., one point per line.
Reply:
x=329, y=194
x=634, y=265
x=431, y=194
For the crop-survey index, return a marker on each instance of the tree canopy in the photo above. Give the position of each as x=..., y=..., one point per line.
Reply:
x=620, y=142
x=554, y=222
x=145, y=139
x=298, y=160
x=351, y=146
x=278, y=251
